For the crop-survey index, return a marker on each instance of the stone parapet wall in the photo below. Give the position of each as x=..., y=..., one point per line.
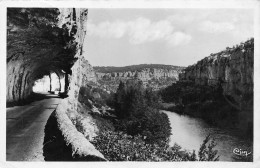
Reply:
x=82, y=149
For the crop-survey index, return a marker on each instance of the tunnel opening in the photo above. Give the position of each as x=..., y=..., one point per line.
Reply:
x=52, y=83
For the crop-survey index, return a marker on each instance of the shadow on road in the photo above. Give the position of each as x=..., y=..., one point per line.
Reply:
x=54, y=146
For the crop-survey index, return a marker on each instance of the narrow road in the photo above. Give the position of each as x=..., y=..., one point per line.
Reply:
x=25, y=129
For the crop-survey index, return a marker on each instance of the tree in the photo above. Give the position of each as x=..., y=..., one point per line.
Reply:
x=207, y=153
x=137, y=109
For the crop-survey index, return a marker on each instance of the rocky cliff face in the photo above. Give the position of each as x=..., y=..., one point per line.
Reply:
x=39, y=42
x=155, y=77
x=43, y=41
x=233, y=68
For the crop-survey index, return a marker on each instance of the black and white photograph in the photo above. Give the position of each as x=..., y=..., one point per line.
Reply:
x=111, y=83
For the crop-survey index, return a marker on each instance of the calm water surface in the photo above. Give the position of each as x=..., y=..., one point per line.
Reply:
x=190, y=132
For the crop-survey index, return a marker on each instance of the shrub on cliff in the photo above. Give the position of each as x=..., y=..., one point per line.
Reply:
x=187, y=92
x=118, y=146
x=98, y=96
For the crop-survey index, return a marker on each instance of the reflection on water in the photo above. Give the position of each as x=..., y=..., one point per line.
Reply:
x=190, y=132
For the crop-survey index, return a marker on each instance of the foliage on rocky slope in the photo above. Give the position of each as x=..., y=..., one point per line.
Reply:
x=140, y=132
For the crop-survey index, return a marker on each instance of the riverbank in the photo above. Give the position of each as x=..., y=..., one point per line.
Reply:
x=189, y=132
x=210, y=104
x=211, y=115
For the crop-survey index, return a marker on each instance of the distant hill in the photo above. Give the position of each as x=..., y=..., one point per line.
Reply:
x=153, y=75
x=140, y=67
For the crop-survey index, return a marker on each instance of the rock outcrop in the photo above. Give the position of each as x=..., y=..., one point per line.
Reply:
x=233, y=68
x=42, y=41
x=153, y=75
x=39, y=41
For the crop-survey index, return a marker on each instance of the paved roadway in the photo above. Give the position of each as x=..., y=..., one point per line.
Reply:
x=25, y=129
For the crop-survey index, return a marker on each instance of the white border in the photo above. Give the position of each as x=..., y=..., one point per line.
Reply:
x=254, y=4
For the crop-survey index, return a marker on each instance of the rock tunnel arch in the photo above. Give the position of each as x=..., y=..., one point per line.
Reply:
x=53, y=83
x=41, y=41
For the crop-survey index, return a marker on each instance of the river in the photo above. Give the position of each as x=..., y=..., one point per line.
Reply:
x=189, y=133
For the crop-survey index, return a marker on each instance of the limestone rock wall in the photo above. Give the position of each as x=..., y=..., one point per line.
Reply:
x=144, y=75
x=82, y=72
x=82, y=75
x=233, y=68
x=154, y=77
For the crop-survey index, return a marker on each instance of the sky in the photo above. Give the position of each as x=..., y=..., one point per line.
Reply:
x=181, y=37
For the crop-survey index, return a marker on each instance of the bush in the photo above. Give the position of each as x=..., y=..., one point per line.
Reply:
x=207, y=153
x=77, y=122
x=151, y=124
x=98, y=96
x=102, y=123
x=118, y=146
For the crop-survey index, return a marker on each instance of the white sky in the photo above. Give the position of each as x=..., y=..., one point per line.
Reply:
x=119, y=37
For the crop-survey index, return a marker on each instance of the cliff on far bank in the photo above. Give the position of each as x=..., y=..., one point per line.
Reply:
x=218, y=88
x=154, y=75
x=233, y=68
